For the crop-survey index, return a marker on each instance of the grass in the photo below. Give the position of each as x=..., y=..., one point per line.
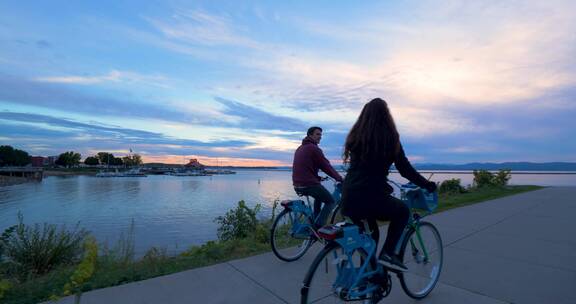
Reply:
x=70, y=171
x=118, y=266
x=447, y=202
x=113, y=270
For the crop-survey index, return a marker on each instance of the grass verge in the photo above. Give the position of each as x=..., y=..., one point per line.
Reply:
x=447, y=202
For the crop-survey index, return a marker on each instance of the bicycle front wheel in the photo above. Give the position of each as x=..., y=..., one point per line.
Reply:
x=291, y=236
x=422, y=253
x=331, y=271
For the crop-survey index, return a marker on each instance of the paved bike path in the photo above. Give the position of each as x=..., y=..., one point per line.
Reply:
x=517, y=249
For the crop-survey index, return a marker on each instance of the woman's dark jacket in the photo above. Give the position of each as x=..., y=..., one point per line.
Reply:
x=366, y=182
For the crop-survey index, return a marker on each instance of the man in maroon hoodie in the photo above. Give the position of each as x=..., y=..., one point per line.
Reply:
x=308, y=159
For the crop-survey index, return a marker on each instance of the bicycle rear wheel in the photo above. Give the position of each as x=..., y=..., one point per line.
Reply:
x=329, y=273
x=423, y=256
x=291, y=236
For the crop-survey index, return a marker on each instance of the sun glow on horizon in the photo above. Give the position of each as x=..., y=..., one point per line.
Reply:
x=214, y=161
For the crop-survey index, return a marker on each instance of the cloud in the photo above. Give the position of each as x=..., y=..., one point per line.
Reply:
x=48, y=128
x=200, y=28
x=112, y=76
x=28, y=133
x=52, y=96
x=254, y=118
x=475, y=54
x=47, y=135
x=458, y=76
x=43, y=44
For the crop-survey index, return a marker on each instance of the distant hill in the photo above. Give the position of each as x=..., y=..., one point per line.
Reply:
x=514, y=166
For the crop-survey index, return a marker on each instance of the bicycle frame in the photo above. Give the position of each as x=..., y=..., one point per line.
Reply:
x=306, y=208
x=351, y=240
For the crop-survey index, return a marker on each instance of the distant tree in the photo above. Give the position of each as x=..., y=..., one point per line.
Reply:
x=137, y=159
x=132, y=160
x=451, y=186
x=105, y=158
x=92, y=161
x=502, y=177
x=13, y=157
x=484, y=178
x=117, y=161
x=68, y=159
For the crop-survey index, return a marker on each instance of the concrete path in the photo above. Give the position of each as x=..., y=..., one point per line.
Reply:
x=518, y=249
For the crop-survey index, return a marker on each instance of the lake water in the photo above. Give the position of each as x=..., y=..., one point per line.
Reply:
x=169, y=211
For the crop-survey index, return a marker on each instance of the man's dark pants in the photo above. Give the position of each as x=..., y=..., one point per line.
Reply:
x=320, y=195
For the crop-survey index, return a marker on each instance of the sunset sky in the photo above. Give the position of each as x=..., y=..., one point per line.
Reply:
x=239, y=82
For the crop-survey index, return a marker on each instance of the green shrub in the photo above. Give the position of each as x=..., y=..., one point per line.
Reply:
x=262, y=233
x=35, y=250
x=450, y=186
x=502, y=178
x=5, y=285
x=4, y=239
x=483, y=178
x=238, y=223
x=83, y=272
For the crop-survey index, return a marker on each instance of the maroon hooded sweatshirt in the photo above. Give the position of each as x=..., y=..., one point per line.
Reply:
x=308, y=159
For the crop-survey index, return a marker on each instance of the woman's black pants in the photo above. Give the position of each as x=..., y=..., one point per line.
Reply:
x=390, y=209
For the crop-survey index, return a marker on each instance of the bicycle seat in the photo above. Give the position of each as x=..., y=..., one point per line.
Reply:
x=300, y=190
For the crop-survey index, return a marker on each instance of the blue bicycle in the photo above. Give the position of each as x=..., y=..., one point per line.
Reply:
x=293, y=232
x=347, y=269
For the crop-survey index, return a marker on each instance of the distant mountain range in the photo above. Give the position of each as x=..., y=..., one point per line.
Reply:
x=514, y=166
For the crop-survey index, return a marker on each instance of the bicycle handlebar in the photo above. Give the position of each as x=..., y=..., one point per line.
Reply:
x=325, y=178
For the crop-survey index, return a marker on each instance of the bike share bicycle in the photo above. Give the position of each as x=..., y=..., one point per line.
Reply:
x=347, y=269
x=293, y=232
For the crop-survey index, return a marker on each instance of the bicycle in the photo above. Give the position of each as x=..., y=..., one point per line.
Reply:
x=347, y=268
x=293, y=232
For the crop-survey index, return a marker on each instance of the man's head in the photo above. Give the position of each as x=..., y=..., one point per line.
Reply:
x=315, y=133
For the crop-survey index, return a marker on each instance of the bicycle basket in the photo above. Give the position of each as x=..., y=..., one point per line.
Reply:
x=422, y=200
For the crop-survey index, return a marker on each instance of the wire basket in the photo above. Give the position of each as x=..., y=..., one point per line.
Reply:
x=421, y=199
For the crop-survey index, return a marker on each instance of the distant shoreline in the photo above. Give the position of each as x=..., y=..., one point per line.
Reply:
x=67, y=173
x=512, y=172
x=11, y=180
x=72, y=172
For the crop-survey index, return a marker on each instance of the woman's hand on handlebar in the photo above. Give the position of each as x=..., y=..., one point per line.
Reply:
x=431, y=187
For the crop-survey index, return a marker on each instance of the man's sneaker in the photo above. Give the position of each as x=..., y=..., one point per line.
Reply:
x=392, y=262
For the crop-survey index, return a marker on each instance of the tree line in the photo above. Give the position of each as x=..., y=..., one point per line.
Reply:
x=10, y=156
x=105, y=158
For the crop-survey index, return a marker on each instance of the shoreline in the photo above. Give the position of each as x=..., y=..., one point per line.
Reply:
x=67, y=173
x=6, y=181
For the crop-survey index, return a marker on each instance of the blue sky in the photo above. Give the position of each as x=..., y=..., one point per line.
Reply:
x=239, y=82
